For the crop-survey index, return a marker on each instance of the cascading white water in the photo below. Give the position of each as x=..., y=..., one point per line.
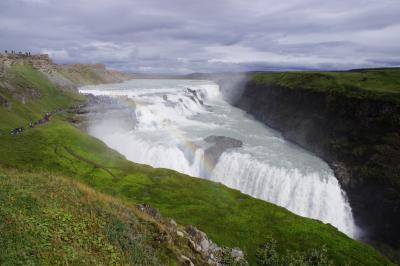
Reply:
x=163, y=123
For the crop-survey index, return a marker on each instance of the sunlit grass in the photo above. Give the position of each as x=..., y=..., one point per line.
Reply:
x=377, y=84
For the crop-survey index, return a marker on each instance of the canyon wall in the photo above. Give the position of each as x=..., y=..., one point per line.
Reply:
x=358, y=136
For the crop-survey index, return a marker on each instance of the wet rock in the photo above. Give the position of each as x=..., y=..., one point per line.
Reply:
x=220, y=145
x=194, y=96
x=342, y=173
x=224, y=141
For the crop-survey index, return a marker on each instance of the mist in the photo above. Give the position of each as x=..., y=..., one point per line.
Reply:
x=189, y=126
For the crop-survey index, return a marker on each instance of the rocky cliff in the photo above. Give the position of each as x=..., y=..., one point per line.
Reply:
x=358, y=136
x=86, y=74
x=67, y=76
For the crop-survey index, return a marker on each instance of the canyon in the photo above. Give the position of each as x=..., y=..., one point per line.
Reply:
x=355, y=130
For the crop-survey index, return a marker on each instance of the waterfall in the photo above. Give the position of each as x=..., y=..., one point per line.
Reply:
x=166, y=123
x=317, y=194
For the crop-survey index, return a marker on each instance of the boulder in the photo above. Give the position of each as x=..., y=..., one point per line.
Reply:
x=220, y=145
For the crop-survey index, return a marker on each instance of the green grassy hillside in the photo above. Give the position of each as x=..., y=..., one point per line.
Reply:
x=229, y=217
x=374, y=83
x=50, y=220
x=28, y=95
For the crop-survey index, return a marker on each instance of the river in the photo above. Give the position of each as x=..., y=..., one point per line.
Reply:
x=165, y=123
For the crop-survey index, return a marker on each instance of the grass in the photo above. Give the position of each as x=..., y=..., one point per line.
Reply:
x=229, y=217
x=377, y=84
x=50, y=220
x=37, y=94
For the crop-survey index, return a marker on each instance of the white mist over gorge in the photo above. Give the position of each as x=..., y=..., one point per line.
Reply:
x=186, y=125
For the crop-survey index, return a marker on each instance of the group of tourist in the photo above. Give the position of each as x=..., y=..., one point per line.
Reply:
x=45, y=119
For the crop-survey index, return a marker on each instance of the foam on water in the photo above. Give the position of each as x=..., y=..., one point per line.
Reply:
x=169, y=120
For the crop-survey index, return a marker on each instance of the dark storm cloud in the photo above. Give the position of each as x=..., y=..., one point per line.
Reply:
x=221, y=35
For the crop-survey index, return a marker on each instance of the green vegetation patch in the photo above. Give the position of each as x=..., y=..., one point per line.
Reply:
x=48, y=220
x=29, y=95
x=377, y=84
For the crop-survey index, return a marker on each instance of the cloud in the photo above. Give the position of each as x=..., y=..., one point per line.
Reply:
x=196, y=36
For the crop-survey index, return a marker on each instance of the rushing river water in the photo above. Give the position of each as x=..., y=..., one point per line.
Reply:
x=164, y=123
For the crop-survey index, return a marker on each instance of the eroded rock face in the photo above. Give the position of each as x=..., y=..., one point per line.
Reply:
x=358, y=137
x=194, y=96
x=220, y=145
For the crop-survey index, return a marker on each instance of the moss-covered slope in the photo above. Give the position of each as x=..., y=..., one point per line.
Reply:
x=383, y=84
x=50, y=220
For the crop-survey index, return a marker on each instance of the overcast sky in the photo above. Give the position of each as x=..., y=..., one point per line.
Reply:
x=182, y=36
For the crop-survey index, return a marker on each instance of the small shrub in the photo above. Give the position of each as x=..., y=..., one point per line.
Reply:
x=228, y=260
x=317, y=257
x=268, y=256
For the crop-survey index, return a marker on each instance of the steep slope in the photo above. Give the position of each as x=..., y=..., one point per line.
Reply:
x=51, y=220
x=27, y=94
x=226, y=215
x=350, y=119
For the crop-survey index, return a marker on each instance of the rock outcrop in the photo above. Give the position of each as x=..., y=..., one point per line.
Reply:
x=219, y=145
x=65, y=76
x=202, y=250
x=40, y=62
x=358, y=137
